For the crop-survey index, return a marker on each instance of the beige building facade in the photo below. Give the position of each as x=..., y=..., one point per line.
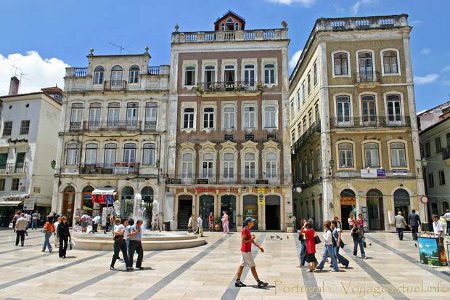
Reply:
x=353, y=128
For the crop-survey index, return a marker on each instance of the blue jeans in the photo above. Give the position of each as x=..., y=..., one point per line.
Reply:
x=359, y=242
x=329, y=251
x=47, y=241
x=340, y=258
x=34, y=224
x=302, y=254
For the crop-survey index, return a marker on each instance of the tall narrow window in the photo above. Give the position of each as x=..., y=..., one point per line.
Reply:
x=343, y=109
x=437, y=144
x=271, y=165
x=188, y=118
x=340, y=61
x=249, y=166
x=99, y=72
x=394, y=108
x=345, y=155
x=91, y=154
x=270, y=117
x=113, y=115
x=365, y=66
x=303, y=92
x=20, y=160
x=25, y=127
x=249, y=117
x=269, y=74
x=368, y=108
x=398, y=155
x=187, y=166
x=228, y=165
x=133, y=76
x=151, y=115
x=72, y=154
x=110, y=155
x=189, y=76
x=132, y=115
x=372, y=155
x=129, y=153
x=207, y=165
x=317, y=113
x=315, y=73
x=95, y=110
x=441, y=177
x=116, y=76
x=229, y=117
x=7, y=128
x=149, y=154
x=249, y=75
x=76, y=116
x=308, y=81
x=390, y=62
x=229, y=75
x=210, y=76
x=208, y=117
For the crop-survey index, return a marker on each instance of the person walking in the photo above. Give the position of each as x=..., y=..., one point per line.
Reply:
x=49, y=229
x=358, y=240
x=414, y=222
x=14, y=220
x=447, y=218
x=329, y=250
x=119, y=245
x=191, y=224
x=28, y=217
x=64, y=236
x=135, y=245
x=57, y=222
x=21, y=228
x=337, y=236
x=200, y=225
x=301, y=237
x=211, y=221
x=400, y=225
x=247, y=239
x=351, y=220
x=34, y=220
x=225, y=223
x=338, y=223
x=309, y=233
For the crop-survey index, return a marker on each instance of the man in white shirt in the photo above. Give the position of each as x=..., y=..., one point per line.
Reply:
x=21, y=228
x=200, y=225
x=438, y=229
x=447, y=217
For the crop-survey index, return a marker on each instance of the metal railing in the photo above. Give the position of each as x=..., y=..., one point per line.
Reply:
x=229, y=86
x=118, y=168
x=80, y=72
x=115, y=85
x=225, y=36
x=370, y=121
x=14, y=168
x=150, y=125
x=131, y=125
x=367, y=77
x=314, y=128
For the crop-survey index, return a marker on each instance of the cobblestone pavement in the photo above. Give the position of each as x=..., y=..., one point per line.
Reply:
x=391, y=271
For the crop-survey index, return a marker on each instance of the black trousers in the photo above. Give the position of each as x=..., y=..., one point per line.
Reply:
x=120, y=245
x=63, y=241
x=400, y=233
x=135, y=246
x=414, y=230
x=20, y=234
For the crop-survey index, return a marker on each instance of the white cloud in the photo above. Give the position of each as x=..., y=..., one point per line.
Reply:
x=294, y=59
x=430, y=78
x=307, y=3
x=38, y=72
x=446, y=69
x=425, y=51
x=360, y=3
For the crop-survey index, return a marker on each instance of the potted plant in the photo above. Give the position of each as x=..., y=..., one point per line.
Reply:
x=217, y=224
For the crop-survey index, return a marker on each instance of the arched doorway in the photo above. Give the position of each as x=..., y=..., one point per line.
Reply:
x=251, y=208
x=348, y=205
x=434, y=209
x=401, y=202
x=206, y=207
x=184, y=211
x=375, y=209
x=444, y=207
x=87, y=204
x=148, y=197
x=273, y=212
x=228, y=204
x=68, y=203
x=127, y=199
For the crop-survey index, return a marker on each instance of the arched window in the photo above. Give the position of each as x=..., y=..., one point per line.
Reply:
x=345, y=155
x=236, y=26
x=208, y=165
x=249, y=75
x=151, y=115
x=116, y=76
x=365, y=67
x=343, y=109
x=340, y=61
x=129, y=153
x=95, y=110
x=229, y=117
x=390, y=62
x=91, y=154
x=371, y=155
x=228, y=165
x=210, y=76
x=444, y=206
x=269, y=74
x=208, y=117
x=76, y=116
x=229, y=75
x=72, y=154
x=398, y=155
x=368, y=109
x=249, y=166
x=113, y=114
x=147, y=194
x=271, y=165
x=189, y=76
x=99, y=72
x=110, y=155
x=394, y=107
x=133, y=76
x=187, y=166
x=149, y=154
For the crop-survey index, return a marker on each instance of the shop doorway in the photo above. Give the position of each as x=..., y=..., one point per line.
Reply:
x=273, y=212
x=375, y=209
x=127, y=199
x=250, y=208
x=206, y=207
x=147, y=194
x=228, y=204
x=68, y=203
x=87, y=204
x=348, y=205
x=401, y=202
x=184, y=211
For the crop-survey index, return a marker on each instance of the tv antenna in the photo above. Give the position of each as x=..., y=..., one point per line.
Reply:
x=121, y=48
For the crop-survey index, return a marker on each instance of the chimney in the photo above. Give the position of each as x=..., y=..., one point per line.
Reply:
x=14, y=86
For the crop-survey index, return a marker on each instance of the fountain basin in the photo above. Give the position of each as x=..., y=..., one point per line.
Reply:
x=150, y=241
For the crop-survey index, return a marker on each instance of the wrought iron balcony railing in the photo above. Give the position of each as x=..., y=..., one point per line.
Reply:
x=367, y=77
x=112, y=126
x=14, y=168
x=115, y=85
x=370, y=121
x=228, y=86
x=118, y=168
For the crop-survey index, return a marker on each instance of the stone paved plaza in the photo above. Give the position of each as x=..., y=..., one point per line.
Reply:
x=391, y=271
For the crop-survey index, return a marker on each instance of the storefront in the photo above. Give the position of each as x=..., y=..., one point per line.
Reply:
x=250, y=208
x=402, y=202
x=348, y=206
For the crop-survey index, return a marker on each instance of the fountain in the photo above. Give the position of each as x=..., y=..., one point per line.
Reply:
x=151, y=240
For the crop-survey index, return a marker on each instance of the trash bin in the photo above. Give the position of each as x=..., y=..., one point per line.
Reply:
x=166, y=226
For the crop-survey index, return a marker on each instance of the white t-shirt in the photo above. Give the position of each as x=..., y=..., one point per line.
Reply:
x=437, y=227
x=120, y=227
x=447, y=216
x=200, y=222
x=327, y=238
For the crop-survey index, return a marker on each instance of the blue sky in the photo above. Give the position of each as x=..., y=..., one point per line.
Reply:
x=41, y=37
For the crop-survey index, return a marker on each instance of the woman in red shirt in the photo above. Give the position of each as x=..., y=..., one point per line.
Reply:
x=310, y=246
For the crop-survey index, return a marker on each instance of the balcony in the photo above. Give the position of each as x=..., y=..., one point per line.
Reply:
x=118, y=168
x=361, y=23
x=115, y=85
x=153, y=70
x=367, y=77
x=230, y=36
x=313, y=129
x=370, y=122
x=11, y=168
x=150, y=126
x=93, y=126
x=230, y=86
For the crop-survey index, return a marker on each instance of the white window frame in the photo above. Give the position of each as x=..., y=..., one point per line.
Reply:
x=95, y=78
x=227, y=116
x=374, y=70
x=343, y=123
x=183, y=75
x=209, y=63
x=405, y=144
x=255, y=113
x=227, y=165
x=361, y=107
x=247, y=175
x=133, y=75
x=380, y=158
x=399, y=70
x=90, y=154
x=76, y=158
x=106, y=153
x=269, y=61
x=127, y=153
x=187, y=168
x=183, y=107
x=209, y=115
x=229, y=62
x=402, y=111
x=272, y=165
x=207, y=172
x=149, y=154
x=267, y=104
x=338, y=156
x=255, y=70
x=348, y=63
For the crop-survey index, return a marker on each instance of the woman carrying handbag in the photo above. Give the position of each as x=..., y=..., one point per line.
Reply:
x=310, y=241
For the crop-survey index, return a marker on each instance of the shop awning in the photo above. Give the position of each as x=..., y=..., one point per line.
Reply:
x=104, y=191
x=104, y=195
x=10, y=203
